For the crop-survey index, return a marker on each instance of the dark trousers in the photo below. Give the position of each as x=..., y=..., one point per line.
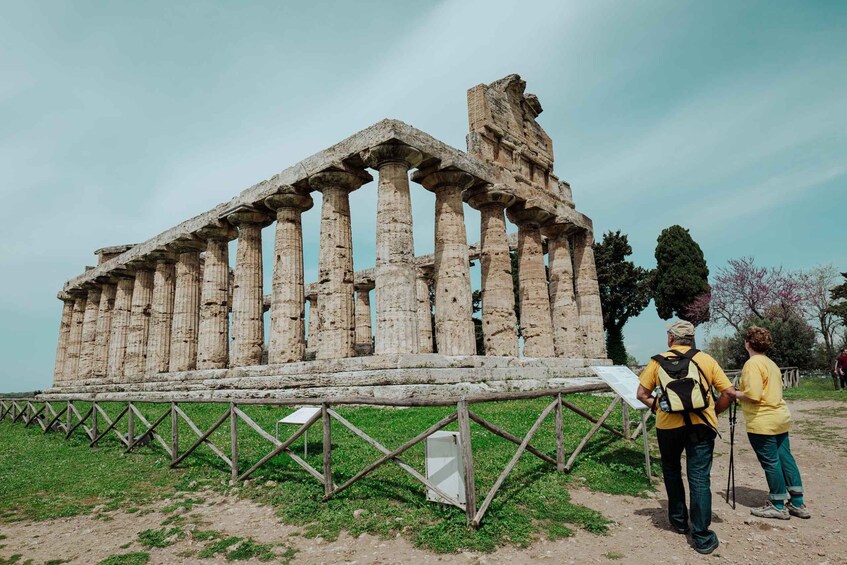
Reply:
x=698, y=443
x=781, y=472
x=844, y=378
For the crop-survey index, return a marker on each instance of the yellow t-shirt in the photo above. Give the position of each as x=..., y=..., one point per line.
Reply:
x=712, y=374
x=761, y=381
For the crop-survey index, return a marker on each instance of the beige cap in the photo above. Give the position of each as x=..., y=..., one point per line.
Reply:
x=682, y=329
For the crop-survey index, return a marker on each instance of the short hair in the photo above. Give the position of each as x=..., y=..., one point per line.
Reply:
x=759, y=338
x=689, y=341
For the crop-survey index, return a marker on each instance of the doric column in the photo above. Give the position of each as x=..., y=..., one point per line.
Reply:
x=364, y=337
x=287, y=333
x=121, y=315
x=454, y=329
x=71, y=371
x=104, y=328
x=64, y=335
x=213, y=335
x=499, y=323
x=186, y=313
x=139, y=322
x=314, y=323
x=536, y=322
x=248, y=328
x=588, y=296
x=422, y=282
x=335, y=262
x=567, y=340
x=396, y=294
x=161, y=318
x=89, y=333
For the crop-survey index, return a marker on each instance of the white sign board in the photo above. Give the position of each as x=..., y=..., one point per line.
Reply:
x=444, y=466
x=623, y=381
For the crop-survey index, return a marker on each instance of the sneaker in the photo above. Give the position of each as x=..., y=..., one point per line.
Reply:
x=771, y=511
x=798, y=511
x=707, y=550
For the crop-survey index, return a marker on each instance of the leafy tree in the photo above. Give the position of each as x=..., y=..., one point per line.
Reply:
x=793, y=342
x=818, y=305
x=722, y=348
x=625, y=290
x=838, y=297
x=681, y=278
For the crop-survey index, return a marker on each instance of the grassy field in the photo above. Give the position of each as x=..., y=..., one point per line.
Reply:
x=45, y=476
x=814, y=387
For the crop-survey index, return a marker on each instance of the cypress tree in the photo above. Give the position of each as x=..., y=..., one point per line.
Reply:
x=682, y=276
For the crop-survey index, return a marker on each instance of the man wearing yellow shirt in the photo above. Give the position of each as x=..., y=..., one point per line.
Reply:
x=697, y=440
x=768, y=420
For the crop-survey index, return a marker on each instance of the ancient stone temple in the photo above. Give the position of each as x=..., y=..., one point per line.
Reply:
x=177, y=315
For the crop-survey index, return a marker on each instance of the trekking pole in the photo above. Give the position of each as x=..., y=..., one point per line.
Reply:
x=730, y=479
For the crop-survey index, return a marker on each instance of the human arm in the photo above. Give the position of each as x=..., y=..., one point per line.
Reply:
x=725, y=399
x=645, y=396
x=751, y=384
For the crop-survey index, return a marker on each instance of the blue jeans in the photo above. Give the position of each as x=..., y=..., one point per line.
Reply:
x=698, y=443
x=781, y=472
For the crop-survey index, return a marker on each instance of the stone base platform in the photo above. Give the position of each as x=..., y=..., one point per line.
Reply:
x=390, y=378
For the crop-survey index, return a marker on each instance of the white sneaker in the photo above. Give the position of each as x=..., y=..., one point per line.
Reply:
x=771, y=511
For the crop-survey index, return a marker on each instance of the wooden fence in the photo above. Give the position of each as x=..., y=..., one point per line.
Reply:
x=790, y=376
x=133, y=429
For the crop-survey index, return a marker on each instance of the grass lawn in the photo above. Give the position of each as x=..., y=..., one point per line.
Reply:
x=814, y=387
x=45, y=476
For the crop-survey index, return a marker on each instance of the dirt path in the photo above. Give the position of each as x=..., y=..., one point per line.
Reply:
x=819, y=442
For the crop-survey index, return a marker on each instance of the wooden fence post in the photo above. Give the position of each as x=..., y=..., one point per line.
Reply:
x=560, y=435
x=69, y=419
x=94, y=432
x=327, y=448
x=174, y=433
x=130, y=432
x=233, y=436
x=467, y=460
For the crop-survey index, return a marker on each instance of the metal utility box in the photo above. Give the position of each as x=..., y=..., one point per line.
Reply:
x=444, y=466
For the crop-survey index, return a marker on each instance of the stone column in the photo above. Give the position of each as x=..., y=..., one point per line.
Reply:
x=71, y=371
x=314, y=323
x=287, y=336
x=335, y=262
x=161, y=318
x=396, y=295
x=499, y=323
x=248, y=327
x=120, y=327
x=567, y=339
x=364, y=337
x=104, y=328
x=536, y=321
x=89, y=333
x=186, y=314
x=213, y=334
x=64, y=335
x=588, y=296
x=139, y=323
x=454, y=329
x=424, y=276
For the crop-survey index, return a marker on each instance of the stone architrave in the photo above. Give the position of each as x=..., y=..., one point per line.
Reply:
x=364, y=337
x=248, y=326
x=588, y=296
x=499, y=323
x=89, y=333
x=454, y=328
x=287, y=333
x=104, y=329
x=186, y=309
x=64, y=334
x=161, y=318
x=396, y=287
x=536, y=321
x=121, y=315
x=213, y=333
x=424, y=311
x=567, y=339
x=139, y=323
x=71, y=371
x=335, y=262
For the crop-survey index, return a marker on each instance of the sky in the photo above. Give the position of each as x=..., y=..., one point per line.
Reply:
x=119, y=120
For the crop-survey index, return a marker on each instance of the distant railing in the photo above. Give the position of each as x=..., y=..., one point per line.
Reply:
x=790, y=376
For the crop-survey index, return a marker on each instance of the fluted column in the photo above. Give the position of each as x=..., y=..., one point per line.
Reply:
x=396, y=287
x=364, y=337
x=64, y=335
x=161, y=318
x=89, y=333
x=248, y=328
x=213, y=333
x=567, y=339
x=424, y=276
x=454, y=329
x=104, y=328
x=536, y=321
x=139, y=323
x=314, y=337
x=186, y=314
x=121, y=315
x=71, y=371
x=499, y=323
x=288, y=311
x=588, y=297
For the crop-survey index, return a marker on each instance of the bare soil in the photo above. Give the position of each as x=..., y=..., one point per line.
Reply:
x=640, y=535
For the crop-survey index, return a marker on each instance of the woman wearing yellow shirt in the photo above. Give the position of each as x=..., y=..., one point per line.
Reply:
x=768, y=420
